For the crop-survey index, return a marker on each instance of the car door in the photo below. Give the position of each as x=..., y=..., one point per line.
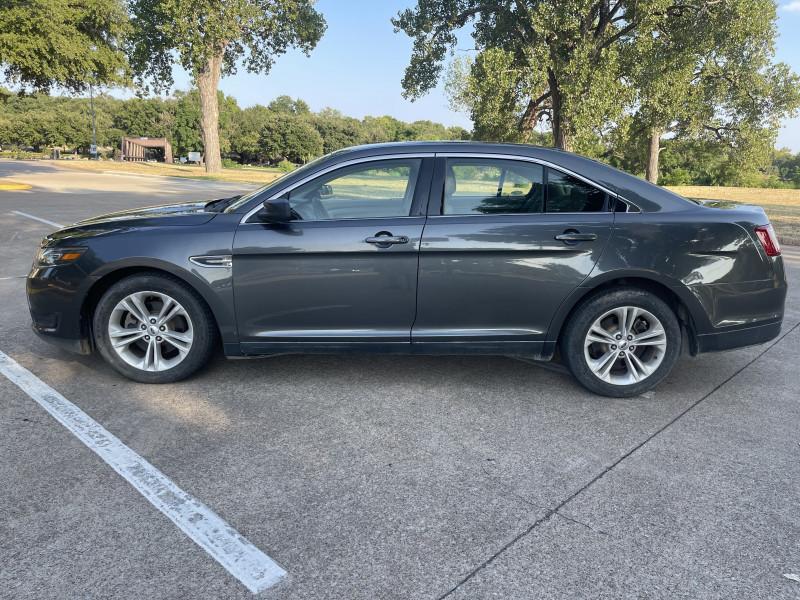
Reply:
x=343, y=272
x=506, y=241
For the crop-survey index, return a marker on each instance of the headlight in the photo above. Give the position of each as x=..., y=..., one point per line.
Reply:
x=50, y=257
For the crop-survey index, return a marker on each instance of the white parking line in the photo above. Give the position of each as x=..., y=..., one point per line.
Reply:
x=243, y=560
x=35, y=218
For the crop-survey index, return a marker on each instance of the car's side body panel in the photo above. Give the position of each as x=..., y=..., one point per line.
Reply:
x=714, y=266
x=501, y=278
x=320, y=282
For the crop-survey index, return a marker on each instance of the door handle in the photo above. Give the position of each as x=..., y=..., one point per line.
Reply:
x=386, y=239
x=574, y=236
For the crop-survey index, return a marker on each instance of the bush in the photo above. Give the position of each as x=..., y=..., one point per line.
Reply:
x=286, y=166
x=229, y=163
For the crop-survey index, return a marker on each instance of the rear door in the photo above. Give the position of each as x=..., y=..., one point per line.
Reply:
x=344, y=270
x=506, y=241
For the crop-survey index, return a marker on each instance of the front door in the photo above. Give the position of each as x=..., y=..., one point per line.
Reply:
x=343, y=272
x=506, y=241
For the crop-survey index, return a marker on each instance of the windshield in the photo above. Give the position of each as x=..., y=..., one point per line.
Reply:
x=241, y=201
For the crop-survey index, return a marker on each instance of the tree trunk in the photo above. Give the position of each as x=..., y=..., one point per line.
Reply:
x=561, y=138
x=207, y=84
x=651, y=174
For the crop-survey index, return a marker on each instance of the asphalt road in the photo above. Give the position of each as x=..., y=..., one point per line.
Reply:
x=393, y=477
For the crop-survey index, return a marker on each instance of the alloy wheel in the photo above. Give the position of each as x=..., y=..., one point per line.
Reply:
x=625, y=345
x=150, y=331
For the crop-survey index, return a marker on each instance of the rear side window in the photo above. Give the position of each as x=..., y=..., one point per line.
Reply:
x=569, y=194
x=492, y=186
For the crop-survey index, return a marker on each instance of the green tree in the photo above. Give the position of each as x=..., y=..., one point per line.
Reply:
x=286, y=104
x=557, y=61
x=209, y=37
x=707, y=72
x=288, y=137
x=336, y=130
x=63, y=43
x=247, y=132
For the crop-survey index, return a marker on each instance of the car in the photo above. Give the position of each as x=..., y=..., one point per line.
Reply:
x=420, y=248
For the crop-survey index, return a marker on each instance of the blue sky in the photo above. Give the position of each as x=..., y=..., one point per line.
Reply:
x=358, y=65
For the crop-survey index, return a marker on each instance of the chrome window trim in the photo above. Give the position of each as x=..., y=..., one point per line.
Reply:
x=544, y=163
x=339, y=165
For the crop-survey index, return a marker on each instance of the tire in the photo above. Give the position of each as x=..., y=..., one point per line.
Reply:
x=608, y=349
x=186, y=337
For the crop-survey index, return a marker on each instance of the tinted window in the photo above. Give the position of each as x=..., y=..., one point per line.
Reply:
x=364, y=191
x=568, y=194
x=488, y=186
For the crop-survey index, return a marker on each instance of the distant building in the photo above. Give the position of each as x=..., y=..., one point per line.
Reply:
x=145, y=148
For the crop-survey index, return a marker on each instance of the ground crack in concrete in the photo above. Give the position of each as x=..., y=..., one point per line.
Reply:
x=555, y=511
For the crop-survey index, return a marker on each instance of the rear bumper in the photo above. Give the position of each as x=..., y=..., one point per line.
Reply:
x=738, y=338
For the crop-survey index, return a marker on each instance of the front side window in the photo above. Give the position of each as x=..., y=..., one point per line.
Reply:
x=364, y=191
x=569, y=194
x=492, y=186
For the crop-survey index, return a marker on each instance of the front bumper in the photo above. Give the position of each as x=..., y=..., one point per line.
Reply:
x=55, y=300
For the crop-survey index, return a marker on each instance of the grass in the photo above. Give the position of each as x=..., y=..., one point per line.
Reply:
x=240, y=175
x=781, y=205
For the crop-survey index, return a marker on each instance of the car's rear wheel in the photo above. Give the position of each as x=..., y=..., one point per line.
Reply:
x=154, y=329
x=622, y=343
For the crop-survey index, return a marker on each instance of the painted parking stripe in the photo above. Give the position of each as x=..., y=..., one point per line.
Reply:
x=35, y=218
x=243, y=560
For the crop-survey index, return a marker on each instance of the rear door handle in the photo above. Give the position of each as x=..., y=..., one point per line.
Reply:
x=574, y=236
x=386, y=239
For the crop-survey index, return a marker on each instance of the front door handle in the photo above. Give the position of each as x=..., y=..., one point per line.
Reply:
x=384, y=239
x=574, y=236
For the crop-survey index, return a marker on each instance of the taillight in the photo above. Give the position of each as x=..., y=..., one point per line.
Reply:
x=769, y=241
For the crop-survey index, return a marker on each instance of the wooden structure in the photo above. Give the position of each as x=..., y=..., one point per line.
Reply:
x=135, y=148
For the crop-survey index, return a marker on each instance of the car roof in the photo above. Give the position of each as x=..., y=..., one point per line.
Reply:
x=645, y=195
x=648, y=197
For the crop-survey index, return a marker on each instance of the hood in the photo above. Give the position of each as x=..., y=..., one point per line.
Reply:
x=186, y=213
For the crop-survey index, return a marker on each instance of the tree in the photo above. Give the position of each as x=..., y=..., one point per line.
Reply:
x=557, y=61
x=337, y=131
x=288, y=137
x=63, y=43
x=707, y=72
x=209, y=37
x=285, y=104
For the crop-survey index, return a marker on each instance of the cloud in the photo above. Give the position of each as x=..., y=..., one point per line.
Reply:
x=793, y=6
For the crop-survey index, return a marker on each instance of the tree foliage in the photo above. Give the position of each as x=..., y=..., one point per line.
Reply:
x=605, y=73
x=63, y=43
x=210, y=38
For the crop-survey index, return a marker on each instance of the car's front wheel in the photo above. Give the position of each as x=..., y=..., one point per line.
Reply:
x=154, y=329
x=622, y=343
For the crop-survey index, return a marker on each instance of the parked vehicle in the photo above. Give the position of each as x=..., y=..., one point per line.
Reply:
x=422, y=248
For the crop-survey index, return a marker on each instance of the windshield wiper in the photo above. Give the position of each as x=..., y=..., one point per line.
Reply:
x=219, y=204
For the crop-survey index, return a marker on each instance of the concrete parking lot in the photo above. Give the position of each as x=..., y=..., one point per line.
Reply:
x=393, y=477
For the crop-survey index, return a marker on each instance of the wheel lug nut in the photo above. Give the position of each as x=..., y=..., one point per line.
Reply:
x=158, y=338
x=618, y=336
x=622, y=354
x=162, y=328
x=144, y=326
x=613, y=347
x=147, y=337
x=630, y=337
x=152, y=320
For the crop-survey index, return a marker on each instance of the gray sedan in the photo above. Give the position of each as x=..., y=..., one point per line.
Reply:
x=423, y=248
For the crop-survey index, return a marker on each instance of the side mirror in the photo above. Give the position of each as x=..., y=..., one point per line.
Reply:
x=277, y=210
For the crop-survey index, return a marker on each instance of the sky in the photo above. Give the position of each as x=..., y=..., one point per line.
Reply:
x=359, y=63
